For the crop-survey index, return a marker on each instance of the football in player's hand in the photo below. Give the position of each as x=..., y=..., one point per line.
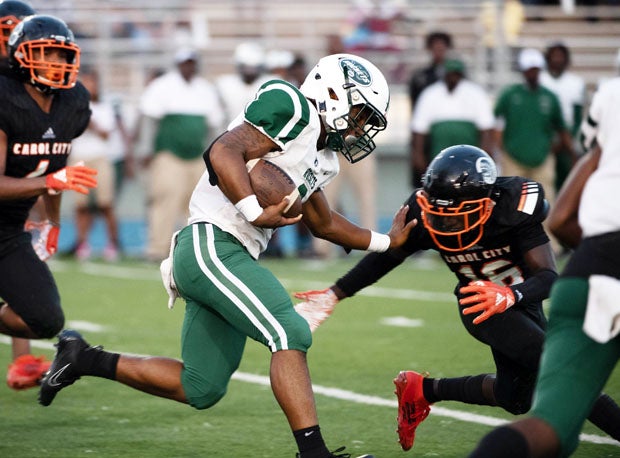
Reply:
x=271, y=184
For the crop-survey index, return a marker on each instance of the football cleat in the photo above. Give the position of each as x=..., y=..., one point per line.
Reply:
x=26, y=371
x=412, y=407
x=63, y=371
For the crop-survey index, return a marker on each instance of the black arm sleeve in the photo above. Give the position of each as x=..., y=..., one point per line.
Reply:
x=366, y=272
x=536, y=288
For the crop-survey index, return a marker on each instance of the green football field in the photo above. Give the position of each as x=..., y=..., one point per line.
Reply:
x=406, y=321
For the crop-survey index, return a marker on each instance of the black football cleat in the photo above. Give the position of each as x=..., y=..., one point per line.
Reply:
x=63, y=371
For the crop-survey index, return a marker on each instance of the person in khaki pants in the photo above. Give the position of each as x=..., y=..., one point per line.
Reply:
x=186, y=110
x=529, y=116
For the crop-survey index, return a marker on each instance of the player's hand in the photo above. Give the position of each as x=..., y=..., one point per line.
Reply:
x=73, y=177
x=486, y=297
x=44, y=238
x=317, y=306
x=273, y=216
x=399, y=232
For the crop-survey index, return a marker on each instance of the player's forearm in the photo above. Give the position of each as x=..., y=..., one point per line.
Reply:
x=21, y=188
x=369, y=270
x=52, y=207
x=536, y=288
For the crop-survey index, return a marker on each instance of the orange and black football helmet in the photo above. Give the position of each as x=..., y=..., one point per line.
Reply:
x=11, y=13
x=32, y=46
x=456, y=196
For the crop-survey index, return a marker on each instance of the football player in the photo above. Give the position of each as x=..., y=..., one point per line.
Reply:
x=11, y=13
x=488, y=231
x=25, y=369
x=36, y=129
x=583, y=336
x=338, y=110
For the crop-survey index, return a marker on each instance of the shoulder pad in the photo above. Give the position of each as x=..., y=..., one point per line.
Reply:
x=520, y=199
x=280, y=109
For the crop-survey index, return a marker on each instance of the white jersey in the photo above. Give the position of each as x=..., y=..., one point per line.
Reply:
x=235, y=93
x=599, y=210
x=466, y=102
x=90, y=144
x=570, y=90
x=284, y=115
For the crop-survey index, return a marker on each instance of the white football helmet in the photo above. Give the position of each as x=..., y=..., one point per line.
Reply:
x=338, y=83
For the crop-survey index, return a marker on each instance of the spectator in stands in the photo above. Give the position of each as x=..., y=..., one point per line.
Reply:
x=370, y=26
x=238, y=88
x=571, y=91
x=187, y=111
x=437, y=44
x=529, y=116
x=94, y=149
x=277, y=63
x=298, y=70
x=449, y=112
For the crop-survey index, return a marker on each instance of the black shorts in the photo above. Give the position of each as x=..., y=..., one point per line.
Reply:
x=27, y=285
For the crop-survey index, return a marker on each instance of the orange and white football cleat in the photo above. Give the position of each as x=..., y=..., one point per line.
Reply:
x=26, y=371
x=413, y=408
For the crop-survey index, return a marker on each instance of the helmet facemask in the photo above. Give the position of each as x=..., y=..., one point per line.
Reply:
x=454, y=226
x=354, y=132
x=7, y=24
x=45, y=74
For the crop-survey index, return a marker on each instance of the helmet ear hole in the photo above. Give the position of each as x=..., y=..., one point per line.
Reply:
x=332, y=94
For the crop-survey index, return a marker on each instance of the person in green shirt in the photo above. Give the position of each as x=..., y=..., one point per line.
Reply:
x=529, y=117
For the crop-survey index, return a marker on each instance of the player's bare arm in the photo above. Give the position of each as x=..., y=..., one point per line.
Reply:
x=52, y=207
x=229, y=155
x=327, y=224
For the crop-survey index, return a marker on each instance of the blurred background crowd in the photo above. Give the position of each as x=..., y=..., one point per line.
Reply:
x=451, y=65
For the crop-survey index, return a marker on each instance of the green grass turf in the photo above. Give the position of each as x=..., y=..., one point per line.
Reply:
x=352, y=351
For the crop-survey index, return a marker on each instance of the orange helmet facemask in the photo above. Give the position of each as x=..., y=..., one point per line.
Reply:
x=34, y=56
x=42, y=52
x=455, y=228
x=456, y=199
x=7, y=24
x=12, y=12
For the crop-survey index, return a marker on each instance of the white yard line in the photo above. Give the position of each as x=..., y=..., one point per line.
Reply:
x=350, y=396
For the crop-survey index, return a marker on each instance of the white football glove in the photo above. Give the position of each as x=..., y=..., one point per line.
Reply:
x=44, y=237
x=165, y=269
x=317, y=306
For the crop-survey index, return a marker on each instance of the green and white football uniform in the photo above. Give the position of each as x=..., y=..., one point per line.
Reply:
x=283, y=114
x=229, y=295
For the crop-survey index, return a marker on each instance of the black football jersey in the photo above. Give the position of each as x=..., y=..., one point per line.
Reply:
x=38, y=143
x=514, y=228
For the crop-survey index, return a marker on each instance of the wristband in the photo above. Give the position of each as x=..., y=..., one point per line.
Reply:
x=378, y=242
x=249, y=207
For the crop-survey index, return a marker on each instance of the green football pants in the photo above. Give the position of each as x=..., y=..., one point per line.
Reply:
x=574, y=368
x=229, y=297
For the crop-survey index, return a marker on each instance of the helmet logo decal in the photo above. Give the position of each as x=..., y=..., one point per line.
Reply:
x=356, y=71
x=487, y=169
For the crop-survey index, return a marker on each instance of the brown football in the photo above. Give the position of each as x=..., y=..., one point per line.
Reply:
x=271, y=184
